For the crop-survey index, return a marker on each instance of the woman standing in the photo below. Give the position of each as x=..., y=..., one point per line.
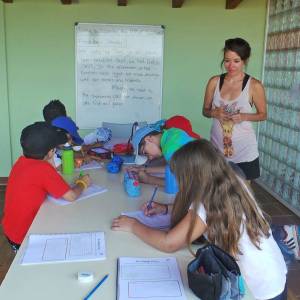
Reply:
x=229, y=99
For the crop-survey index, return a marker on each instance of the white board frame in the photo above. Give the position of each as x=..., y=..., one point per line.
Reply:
x=128, y=109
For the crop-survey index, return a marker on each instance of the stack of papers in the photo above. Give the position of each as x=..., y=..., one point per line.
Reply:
x=47, y=248
x=92, y=190
x=149, y=278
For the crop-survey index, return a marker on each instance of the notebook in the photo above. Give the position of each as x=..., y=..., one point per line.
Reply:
x=91, y=191
x=65, y=247
x=149, y=278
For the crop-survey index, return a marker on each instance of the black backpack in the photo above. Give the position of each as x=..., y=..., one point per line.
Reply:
x=207, y=271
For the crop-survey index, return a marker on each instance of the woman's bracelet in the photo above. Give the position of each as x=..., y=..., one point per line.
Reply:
x=167, y=209
x=83, y=183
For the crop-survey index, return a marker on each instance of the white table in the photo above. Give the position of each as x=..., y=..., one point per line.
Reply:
x=58, y=280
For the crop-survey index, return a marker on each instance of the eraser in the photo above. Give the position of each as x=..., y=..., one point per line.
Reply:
x=85, y=276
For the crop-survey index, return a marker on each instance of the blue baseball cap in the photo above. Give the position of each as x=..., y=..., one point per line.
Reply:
x=69, y=126
x=140, y=134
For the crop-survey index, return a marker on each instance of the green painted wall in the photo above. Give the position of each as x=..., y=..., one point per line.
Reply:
x=39, y=37
x=5, y=144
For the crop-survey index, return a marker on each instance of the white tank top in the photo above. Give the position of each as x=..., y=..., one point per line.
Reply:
x=236, y=141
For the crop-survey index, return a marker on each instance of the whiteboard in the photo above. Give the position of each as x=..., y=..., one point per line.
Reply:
x=119, y=72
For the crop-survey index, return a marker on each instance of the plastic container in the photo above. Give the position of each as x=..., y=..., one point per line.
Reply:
x=67, y=159
x=171, y=186
x=131, y=184
x=115, y=165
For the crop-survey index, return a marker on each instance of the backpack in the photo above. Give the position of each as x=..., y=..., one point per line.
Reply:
x=214, y=275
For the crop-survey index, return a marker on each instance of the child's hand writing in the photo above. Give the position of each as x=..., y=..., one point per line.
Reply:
x=86, y=178
x=156, y=209
x=123, y=223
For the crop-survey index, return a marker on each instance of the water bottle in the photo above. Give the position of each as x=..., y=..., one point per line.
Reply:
x=171, y=186
x=67, y=159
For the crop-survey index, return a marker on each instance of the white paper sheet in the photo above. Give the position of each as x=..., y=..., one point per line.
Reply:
x=149, y=278
x=46, y=248
x=156, y=221
x=91, y=191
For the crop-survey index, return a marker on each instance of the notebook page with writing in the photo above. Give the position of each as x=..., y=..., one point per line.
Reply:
x=65, y=247
x=149, y=278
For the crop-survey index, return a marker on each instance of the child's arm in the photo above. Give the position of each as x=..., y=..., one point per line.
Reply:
x=156, y=208
x=146, y=169
x=81, y=184
x=154, y=180
x=170, y=241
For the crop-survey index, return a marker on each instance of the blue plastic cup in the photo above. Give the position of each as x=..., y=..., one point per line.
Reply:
x=171, y=186
x=132, y=186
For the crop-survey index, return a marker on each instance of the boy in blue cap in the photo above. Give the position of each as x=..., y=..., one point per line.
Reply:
x=150, y=142
x=67, y=124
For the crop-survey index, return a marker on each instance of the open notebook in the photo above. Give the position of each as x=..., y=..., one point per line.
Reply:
x=65, y=247
x=91, y=191
x=149, y=278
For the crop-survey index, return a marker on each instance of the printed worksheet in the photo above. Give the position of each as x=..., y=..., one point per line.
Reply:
x=149, y=278
x=49, y=248
x=92, y=190
x=156, y=221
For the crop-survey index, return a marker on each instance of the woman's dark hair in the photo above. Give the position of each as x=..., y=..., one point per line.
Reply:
x=239, y=46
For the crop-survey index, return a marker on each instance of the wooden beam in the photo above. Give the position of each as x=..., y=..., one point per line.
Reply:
x=8, y=1
x=177, y=3
x=231, y=4
x=122, y=2
x=66, y=1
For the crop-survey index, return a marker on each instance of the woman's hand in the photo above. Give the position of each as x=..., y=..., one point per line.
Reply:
x=220, y=114
x=237, y=118
x=156, y=209
x=123, y=223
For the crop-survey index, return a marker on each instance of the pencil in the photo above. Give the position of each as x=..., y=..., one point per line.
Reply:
x=96, y=287
x=149, y=204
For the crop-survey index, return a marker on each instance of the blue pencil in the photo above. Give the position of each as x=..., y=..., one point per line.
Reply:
x=95, y=288
x=149, y=204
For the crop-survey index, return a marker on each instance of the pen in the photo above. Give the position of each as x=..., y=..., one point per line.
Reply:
x=149, y=204
x=95, y=288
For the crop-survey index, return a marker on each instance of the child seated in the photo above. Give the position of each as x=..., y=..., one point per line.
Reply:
x=32, y=177
x=55, y=108
x=212, y=201
x=152, y=143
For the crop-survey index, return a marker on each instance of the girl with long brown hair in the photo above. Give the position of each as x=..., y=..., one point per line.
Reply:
x=213, y=201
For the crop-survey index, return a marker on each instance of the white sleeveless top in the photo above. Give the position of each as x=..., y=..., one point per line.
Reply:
x=264, y=269
x=236, y=141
